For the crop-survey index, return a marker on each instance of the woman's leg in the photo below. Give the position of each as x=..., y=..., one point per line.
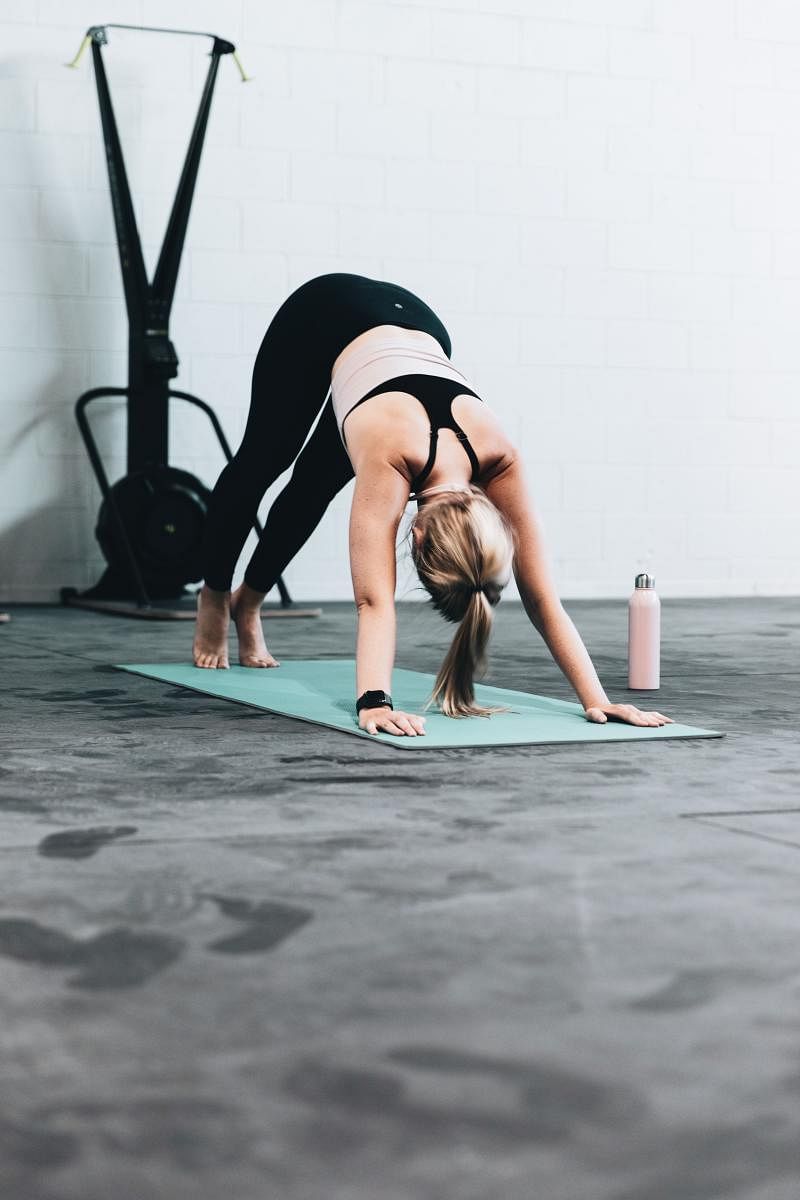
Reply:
x=321, y=471
x=291, y=378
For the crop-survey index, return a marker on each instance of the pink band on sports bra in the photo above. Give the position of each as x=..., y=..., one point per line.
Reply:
x=382, y=361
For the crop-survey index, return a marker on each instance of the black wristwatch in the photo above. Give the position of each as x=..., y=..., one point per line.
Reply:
x=374, y=700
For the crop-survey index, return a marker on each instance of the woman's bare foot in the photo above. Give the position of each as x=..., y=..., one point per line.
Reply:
x=210, y=647
x=246, y=613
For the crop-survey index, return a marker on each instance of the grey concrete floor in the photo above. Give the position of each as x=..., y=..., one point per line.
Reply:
x=243, y=956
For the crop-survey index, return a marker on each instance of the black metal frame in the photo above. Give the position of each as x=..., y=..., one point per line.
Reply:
x=142, y=597
x=152, y=360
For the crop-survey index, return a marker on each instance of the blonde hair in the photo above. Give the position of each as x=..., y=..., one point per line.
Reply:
x=463, y=550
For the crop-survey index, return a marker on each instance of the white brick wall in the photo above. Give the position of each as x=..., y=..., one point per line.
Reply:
x=601, y=197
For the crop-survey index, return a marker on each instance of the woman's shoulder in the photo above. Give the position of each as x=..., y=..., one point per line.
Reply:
x=503, y=459
x=486, y=428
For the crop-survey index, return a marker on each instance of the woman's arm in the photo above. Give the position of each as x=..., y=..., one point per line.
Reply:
x=509, y=491
x=379, y=500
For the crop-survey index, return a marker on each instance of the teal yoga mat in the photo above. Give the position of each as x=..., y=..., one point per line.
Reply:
x=321, y=691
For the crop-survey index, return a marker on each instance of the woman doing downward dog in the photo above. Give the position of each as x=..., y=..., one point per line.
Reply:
x=402, y=419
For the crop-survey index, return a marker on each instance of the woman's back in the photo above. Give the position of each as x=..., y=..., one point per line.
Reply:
x=397, y=424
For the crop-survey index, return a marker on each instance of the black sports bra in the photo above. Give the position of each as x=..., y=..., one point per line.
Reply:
x=436, y=395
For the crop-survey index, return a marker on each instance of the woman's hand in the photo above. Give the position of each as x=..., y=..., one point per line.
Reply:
x=391, y=720
x=628, y=713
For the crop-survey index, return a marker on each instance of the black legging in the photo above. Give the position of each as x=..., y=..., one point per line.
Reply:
x=291, y=378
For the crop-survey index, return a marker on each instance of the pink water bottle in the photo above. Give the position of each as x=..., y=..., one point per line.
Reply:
x=644, y=635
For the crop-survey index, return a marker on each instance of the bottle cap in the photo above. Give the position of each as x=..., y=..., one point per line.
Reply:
x=644, y=580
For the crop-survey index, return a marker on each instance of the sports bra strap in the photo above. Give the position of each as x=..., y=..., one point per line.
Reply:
x=418, y=480
x=440, y=411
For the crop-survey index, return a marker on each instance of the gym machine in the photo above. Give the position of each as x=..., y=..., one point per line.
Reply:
x=151, y=521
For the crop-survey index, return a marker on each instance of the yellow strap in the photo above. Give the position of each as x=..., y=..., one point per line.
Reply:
x=238, y=61
x=79, y=55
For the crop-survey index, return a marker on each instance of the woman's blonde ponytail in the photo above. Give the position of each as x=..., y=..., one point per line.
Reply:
x=463, y=549
x=454, y=689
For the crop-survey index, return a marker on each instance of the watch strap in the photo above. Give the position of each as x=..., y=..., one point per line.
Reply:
x=375, y=699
